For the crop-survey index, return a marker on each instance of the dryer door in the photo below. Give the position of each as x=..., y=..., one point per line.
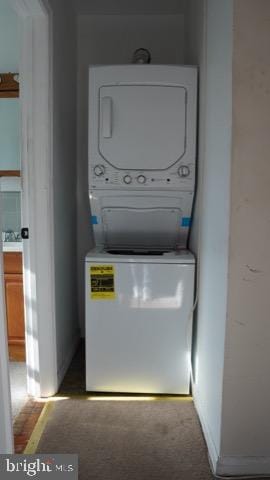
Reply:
x=142, y=127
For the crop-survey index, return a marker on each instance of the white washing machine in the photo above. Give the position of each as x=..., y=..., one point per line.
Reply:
x=140, y=277
x=138, y=321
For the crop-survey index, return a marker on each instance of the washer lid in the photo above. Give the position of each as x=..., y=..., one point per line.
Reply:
x=100, y=255
x=142, y=127
x=141, y=227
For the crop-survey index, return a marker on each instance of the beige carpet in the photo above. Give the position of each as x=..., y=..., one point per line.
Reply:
x=129, y=440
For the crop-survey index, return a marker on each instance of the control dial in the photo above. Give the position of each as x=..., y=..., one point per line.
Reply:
x=183, y=171
x=141, y=179
x=99, y=170
x=127, y=179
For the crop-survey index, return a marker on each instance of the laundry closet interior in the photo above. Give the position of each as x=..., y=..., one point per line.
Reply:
x=175, y=35
x=137, y=127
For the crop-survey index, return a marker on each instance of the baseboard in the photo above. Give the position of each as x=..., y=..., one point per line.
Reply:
x=238, y=466
x=212, y=449
x=229, y=465
x=62, y=371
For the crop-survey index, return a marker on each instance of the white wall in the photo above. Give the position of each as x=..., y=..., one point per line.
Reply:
x=9, y=38
x=245, y=446
x=212, y=208
x=64, y=178
x=9, y=107
x=112, y=39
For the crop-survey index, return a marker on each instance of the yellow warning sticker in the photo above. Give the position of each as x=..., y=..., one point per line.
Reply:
x=102, y=282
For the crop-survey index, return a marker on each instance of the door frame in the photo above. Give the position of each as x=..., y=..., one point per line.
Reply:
x=37, y=213
x=37, y=194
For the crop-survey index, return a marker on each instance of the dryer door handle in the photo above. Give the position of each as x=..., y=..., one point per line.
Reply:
x=106, y=116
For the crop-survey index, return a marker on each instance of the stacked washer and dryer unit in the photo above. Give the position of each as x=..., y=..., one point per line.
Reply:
x=140, y=275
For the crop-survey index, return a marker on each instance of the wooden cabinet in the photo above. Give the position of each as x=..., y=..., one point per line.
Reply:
x=14, y=305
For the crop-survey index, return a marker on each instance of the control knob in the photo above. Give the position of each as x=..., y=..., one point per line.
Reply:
x=183, y=171
x=99, y=170
x=127, y=179
x=141, y=179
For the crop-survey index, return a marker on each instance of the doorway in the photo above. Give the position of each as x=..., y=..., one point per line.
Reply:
x=37, y=214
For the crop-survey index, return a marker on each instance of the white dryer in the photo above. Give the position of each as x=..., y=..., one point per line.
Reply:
x=140, y=277
x=142, y=127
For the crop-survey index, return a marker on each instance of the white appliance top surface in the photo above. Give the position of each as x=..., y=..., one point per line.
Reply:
x=99, y=254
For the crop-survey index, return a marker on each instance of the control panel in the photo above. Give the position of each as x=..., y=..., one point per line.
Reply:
x=103, y=175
